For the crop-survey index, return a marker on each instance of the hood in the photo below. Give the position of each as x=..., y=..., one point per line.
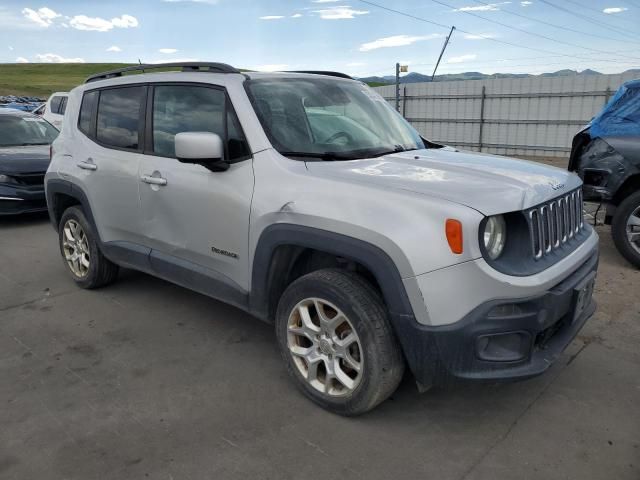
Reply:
x=488, y=183
x=24, y=160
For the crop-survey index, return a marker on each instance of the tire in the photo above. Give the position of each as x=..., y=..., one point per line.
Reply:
x=83, y=240
x=626, y=212
x=375, y=350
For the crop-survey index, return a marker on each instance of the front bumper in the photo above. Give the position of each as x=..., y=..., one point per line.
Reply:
x=502, y=340
x=18, y=199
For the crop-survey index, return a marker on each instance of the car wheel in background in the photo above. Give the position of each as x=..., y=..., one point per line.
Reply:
x=336, y=340
x=626, y=228
x=80, y=252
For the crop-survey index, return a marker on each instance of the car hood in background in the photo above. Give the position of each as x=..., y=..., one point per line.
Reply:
x=488, y=183
x=24, y=160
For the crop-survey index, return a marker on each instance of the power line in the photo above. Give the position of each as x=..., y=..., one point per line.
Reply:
x=600, y=23
x=562, y=27
x=495, y=40
x=599, y=12
x=527, y=32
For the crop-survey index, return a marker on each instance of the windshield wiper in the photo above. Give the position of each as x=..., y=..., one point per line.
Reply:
x=327, y=156
x=351, y=155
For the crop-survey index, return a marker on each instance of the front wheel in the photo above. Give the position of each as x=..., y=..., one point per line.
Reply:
x=625, y=228
x=337, y=343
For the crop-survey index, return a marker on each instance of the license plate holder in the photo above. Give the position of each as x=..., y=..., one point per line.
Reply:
x=582, y=294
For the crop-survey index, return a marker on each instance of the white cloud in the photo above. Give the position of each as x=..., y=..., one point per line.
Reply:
x=296, y=15
x=10, y=48
x=610, y=10
x=125, y=21
x=489, y=7
x=275, y=67
x=21, y=60
x=526, y=3
x=43, y=16
x=462, y=58
x=356, y=64
x=114, y=48
x=272, y=17
x=482, y=36
x=55, y=58
x=339, y=13
x=396, y=41
x=82, y=22
x=168, y=50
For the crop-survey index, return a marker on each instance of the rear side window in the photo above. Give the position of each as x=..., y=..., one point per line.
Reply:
x=186, y=108
x=86, y=122
x=63, y=106
x=119, y=117
x=55, y=104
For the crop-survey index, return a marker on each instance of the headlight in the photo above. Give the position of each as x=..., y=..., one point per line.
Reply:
x=7, y=179
x=495, y=236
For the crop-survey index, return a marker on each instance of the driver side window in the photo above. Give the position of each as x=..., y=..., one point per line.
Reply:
x=187, y=108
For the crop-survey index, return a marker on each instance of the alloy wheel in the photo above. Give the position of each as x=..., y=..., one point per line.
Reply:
x=75, y=246
x=325, y=347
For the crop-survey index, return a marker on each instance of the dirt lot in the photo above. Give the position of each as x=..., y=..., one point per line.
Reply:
x=144, y=379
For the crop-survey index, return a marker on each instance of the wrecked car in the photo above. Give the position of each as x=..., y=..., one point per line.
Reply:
x=606, y=155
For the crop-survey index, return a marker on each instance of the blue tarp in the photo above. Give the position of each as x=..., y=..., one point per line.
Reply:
x=621, y=116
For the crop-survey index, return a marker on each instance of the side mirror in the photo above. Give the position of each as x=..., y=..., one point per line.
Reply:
x=201, y=148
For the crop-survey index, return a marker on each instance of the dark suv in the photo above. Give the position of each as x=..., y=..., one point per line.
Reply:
x=606, y=155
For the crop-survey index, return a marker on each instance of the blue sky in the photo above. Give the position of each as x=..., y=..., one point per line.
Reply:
x=354, y=36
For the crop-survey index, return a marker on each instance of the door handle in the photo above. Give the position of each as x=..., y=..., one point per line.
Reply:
x=154, y=180
x=87, y=166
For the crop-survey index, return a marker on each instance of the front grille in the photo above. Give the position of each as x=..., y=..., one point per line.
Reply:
x=555, y=223
x=29, y=178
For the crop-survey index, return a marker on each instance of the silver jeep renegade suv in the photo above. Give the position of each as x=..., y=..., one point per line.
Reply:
x=305, y=200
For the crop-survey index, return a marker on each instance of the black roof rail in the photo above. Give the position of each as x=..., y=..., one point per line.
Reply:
x=322, y=72
x=185, y=66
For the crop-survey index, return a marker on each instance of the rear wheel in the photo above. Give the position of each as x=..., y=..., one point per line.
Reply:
x=626, y=228
x=336, y=340
x=79, y=249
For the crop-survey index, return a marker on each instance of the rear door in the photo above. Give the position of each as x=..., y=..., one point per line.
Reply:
x=107, y=156
x=195, y=219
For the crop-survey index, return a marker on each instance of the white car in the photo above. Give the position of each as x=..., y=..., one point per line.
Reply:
x=53, y=110
x=306, y=200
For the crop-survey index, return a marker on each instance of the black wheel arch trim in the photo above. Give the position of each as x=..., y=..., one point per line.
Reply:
x=376, y=260
x=57, y=186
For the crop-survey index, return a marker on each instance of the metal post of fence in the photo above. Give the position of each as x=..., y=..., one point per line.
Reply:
x=404, y=102
x=607, y=95
x=482, y=98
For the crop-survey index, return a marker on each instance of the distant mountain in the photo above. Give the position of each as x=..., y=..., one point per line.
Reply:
x=416, y=77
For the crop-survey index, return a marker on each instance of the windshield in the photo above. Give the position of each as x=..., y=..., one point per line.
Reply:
x=329, y=119
x=22, y=130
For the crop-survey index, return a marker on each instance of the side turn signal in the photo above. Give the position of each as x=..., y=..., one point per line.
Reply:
x=453, y=230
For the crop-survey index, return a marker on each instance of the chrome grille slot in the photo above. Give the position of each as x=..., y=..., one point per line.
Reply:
x=555, y=223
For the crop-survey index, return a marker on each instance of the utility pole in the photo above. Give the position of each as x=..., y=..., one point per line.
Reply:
x=444, y=47
x=399, y=68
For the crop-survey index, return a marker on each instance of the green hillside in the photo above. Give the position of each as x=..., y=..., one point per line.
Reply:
x=41, y=79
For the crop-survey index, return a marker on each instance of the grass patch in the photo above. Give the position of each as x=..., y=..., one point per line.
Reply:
x=42, y=79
